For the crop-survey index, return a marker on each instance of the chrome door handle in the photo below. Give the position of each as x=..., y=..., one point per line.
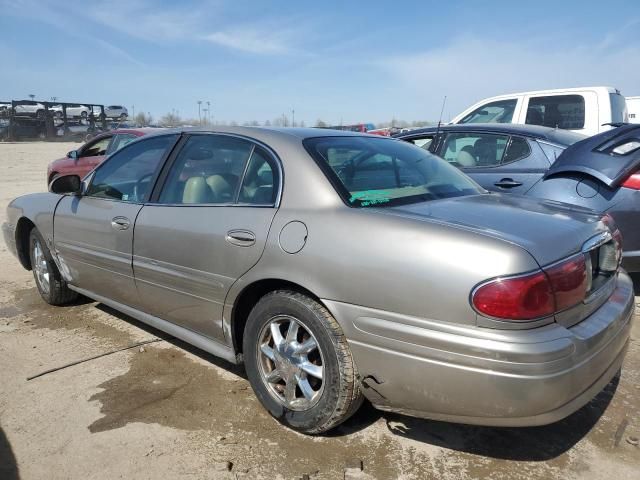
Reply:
x=507, y=183
x=241, y=238
x=120, y=223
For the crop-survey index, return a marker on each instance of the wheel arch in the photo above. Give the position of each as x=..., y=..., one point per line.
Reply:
x=23, y=229
x=249, y=297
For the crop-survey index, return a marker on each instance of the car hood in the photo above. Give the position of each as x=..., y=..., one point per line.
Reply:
x=548, y=230
x=597, y=156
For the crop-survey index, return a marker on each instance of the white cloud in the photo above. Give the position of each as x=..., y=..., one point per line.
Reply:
x=254, y=40
x=469, y=69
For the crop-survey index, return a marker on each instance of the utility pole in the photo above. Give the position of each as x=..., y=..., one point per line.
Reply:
x=199, y=115
x=293, y=117
x=53, y=99
x=208, y=111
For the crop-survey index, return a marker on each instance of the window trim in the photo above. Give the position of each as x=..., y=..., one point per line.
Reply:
x=154, y=179
x=164, y=174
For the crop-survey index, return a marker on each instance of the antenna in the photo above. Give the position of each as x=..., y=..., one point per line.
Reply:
x=444, y=101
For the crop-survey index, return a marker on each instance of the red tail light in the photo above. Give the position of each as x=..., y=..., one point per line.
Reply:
x=517, y=298
x=632, y=182
x=569, y=282
x=536, y=295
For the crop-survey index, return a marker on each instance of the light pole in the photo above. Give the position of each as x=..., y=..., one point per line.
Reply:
x=208, y=111
x=31, y=96
x=293, y=117
x=199, y=115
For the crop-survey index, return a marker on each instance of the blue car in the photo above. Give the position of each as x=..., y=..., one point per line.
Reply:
x=601, y=172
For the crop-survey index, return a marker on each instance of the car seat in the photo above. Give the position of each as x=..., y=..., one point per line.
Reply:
x=466, y=157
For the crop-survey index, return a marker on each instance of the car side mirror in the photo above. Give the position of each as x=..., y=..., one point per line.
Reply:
x=73, y=154
x=66, y=185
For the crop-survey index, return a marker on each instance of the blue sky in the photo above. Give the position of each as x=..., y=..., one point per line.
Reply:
x=338, y=61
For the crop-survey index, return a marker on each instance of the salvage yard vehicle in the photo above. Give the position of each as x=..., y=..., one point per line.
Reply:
x=601, y=172
x=116, y=111
x=337, y=265
x=91, y=154
x=586, y=110
x=73, y=111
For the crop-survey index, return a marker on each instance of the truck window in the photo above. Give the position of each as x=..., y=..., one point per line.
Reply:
x=500, y=111
x=556, y=111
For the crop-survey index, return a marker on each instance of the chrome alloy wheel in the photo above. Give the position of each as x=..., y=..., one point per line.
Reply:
x=290, y=363
x=40, y=267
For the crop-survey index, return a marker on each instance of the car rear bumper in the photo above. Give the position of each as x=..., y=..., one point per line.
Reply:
x=487, y=377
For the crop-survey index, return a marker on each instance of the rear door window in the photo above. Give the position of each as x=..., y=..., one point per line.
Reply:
x=556, y=111
x=500, y=111
x=476, y=150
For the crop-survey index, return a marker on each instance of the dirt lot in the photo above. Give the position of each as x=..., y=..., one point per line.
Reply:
x=175, y=412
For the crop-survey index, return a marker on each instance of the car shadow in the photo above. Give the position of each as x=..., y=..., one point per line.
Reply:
x=8, y=464
x=217, y=361
x=533, y=444
x=524, y=444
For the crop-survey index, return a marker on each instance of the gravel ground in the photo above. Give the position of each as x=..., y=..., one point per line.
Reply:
x=169, y=410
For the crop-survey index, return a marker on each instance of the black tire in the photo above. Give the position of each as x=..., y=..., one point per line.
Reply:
x=339, y=395
x=56, y=292
x=84, y=114
x=40, y=114
x=123, y=116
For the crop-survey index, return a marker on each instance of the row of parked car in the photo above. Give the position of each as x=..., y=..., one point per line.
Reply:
x=37, y=110
x=476, y=257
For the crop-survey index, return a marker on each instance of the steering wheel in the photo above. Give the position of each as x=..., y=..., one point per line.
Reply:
x=138, y=186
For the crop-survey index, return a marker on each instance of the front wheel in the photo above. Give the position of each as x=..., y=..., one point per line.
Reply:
x=53, y=289
x=299, y=363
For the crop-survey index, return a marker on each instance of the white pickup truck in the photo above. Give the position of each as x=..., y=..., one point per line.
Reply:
x=586, y=110
x=633, y=106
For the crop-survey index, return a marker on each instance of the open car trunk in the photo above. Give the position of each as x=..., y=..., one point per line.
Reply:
x=610, y=156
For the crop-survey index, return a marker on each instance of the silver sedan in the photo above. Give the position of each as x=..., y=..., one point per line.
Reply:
x=338, y=266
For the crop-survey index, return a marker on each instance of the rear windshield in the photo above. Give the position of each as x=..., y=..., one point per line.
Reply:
x=378, y=172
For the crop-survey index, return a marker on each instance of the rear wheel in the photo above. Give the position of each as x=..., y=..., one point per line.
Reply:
x=53, y=289
x=299, y=363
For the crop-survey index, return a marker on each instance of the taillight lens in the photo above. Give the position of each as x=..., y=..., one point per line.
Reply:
x=536, y=295
x=632, y=182
x=569, y=281
x=519, y=298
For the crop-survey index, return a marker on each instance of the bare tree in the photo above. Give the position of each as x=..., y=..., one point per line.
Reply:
x=321, y=124
x=170, y=119
x=143, y=119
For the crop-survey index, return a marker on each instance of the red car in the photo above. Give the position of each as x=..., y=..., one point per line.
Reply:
x=91, y=154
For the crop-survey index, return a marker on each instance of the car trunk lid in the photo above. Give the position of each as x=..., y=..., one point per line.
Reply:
x=547, y=229
x=611, y=156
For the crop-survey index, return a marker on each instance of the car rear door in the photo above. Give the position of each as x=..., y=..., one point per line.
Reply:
x=206, y=225
x=93, y=233
x=498, y=162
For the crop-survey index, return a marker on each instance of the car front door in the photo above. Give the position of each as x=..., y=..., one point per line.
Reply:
x=501, y=163
x=206, y=225
x=92, y=154
x=93, y=233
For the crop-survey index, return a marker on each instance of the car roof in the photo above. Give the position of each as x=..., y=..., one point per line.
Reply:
x=265, y=133
x=553, y=135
